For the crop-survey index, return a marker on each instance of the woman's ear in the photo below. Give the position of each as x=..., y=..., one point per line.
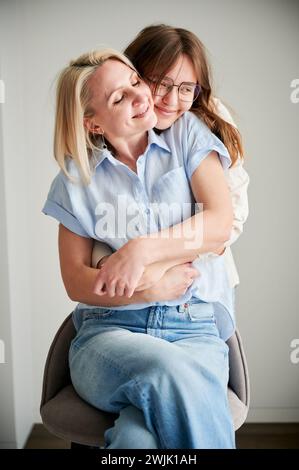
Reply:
x=91, y=126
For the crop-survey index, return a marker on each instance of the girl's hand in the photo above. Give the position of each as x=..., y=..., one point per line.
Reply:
x=173, y=284
x=121, y=272
x=152, y=274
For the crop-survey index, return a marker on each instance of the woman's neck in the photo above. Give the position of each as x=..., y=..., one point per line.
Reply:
x=130, y=150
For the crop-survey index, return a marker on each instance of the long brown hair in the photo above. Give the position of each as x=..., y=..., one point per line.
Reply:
x=157, y=48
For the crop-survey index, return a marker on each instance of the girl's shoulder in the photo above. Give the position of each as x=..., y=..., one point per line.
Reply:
x=189, y=124
x=223, y=111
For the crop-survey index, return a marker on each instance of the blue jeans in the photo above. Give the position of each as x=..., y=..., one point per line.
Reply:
x=163, y=369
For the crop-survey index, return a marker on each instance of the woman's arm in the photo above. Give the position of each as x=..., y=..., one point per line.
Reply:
x=79, y=277
x=206, y=231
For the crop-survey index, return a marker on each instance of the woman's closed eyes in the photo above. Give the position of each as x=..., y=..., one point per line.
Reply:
x=124, y=95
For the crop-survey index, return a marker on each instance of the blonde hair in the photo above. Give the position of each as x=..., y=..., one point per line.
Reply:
x=73, y=98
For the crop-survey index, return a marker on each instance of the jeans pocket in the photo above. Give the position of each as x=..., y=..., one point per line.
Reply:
x=202, y=311
x=96, y=313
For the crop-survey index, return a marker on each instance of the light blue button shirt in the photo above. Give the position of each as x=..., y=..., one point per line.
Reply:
x=119, y=205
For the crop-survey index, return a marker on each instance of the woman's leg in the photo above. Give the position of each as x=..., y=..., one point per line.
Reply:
x=130, y=431
x=179, y=383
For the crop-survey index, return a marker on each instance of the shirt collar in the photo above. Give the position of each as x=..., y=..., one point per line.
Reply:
x=153, y=139
x=156, y=139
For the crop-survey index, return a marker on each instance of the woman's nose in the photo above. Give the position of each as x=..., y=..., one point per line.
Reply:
x=139, y=97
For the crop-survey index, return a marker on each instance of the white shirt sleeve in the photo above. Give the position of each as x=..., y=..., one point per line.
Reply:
x=238, y=180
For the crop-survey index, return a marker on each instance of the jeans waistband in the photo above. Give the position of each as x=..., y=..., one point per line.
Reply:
x=193, y=300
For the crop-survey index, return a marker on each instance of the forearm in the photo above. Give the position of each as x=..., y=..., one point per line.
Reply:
x=82, y=285
x=204, y=232
x=101, y=252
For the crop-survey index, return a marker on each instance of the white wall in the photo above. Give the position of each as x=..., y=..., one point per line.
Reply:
x=7, y=433
x=254, y=54
x=17, y=231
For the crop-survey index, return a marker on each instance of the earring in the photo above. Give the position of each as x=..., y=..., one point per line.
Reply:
x=104, y=146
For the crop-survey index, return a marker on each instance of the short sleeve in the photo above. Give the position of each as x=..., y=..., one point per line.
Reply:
x=200, y=142
x=59, y=206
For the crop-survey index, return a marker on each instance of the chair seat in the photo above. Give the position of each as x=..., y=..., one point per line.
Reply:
x=72, y=419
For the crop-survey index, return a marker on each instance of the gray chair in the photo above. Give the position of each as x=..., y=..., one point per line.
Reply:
x=69, y=417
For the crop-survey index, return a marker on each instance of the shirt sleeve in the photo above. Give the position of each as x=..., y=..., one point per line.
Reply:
x=223, y=112
x=200, y=142
x=59, y=206
x=238, y=181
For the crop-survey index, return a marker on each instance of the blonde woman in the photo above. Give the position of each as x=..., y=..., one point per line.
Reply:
x=162, y=361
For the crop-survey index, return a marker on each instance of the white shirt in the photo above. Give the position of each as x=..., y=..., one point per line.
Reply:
x=238, y=180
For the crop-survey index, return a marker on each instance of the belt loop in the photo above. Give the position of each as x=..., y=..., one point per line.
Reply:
x=183, y=308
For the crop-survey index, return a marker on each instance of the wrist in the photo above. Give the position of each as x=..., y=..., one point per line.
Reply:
x=139, y=247
x=146, y=295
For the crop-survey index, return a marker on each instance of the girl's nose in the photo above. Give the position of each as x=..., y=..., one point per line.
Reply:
x=171, y=98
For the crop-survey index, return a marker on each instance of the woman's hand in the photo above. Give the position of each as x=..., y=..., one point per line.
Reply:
x=121, y=272
x=173, y=284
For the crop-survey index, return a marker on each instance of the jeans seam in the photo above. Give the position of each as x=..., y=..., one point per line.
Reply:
x=137, y=384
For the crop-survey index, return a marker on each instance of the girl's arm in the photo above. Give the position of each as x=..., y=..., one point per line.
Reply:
x=207, y=231
x=237, y=179
x=79, y=277
x=152, y=273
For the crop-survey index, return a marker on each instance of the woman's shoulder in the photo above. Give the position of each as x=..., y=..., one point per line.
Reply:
x=66, y=181
x=71, y=168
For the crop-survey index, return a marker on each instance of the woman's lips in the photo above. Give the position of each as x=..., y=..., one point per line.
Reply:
x=141, y=115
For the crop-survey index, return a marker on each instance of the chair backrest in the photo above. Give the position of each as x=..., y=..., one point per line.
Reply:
x=57, y=373
x=238, y=369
